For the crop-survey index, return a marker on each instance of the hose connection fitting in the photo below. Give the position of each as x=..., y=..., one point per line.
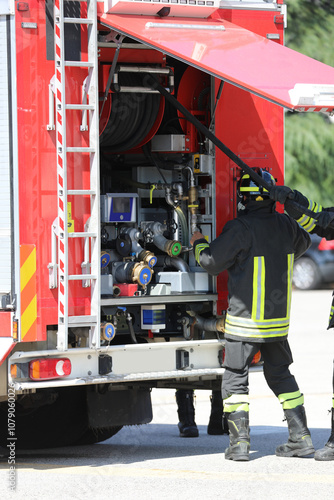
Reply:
x=133, y=272
x=172, y=247
x=142, y=255
x=148, y=258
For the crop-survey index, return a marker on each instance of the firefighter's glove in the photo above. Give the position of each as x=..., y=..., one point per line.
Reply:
x=280, y=193
x=324, y=219
x=196, y=236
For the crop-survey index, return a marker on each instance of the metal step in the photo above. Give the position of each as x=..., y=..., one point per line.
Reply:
x=79, y=64
x=80, y=107
x=82, y=277
x=82, y=235
x=77, y=20
x=81, y=192
x=80, y=150
x=82, y=320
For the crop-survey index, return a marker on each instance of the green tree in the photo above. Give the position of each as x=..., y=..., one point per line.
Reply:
x=310, y=136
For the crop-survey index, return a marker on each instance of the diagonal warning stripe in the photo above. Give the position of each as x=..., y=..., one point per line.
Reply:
x=28, y=293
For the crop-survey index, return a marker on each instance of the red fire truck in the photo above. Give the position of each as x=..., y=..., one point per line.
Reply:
x=108, y=165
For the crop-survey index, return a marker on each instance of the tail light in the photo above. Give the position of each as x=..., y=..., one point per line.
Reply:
x=326, y=245
x=50, y=368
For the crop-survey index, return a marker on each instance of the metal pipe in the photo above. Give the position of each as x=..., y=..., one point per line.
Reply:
x=175, y=262
x=171, y=247
x=210, y=324
x=131, y=329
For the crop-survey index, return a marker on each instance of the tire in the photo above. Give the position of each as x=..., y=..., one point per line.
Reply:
x=51, y=419
x=306, y=275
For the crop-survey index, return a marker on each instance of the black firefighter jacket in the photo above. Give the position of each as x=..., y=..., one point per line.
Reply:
x=258, y=251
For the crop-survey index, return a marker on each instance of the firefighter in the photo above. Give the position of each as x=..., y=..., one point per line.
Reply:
x=258, y=249
x=186, y=412
x=321, y=227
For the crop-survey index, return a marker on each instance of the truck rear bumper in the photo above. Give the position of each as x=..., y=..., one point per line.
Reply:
x=127, y=363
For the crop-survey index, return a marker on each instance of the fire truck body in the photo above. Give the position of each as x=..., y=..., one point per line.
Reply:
x=104, y=180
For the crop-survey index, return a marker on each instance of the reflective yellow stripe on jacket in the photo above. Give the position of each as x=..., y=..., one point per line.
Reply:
x=331, y=315
x=257, y=326
x=199, y=249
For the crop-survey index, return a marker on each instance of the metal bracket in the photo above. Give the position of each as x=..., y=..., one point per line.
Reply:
x=86, y=265
x=51, y=125
x=113, y=36
x=53, y=265
x=168, y=72
x=84, y=93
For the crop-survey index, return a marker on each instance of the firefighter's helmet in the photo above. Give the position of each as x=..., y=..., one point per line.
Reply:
x=249, y=188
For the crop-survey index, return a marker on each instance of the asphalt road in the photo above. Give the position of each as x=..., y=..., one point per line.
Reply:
x=152, y=462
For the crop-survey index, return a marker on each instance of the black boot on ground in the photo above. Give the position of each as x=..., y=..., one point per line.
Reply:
x=186, y=413
x=327, y=453
x=238, y=424
x=218, y=422
x=299, y=443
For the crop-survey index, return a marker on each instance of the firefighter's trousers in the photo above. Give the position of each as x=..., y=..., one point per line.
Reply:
x=276, y=357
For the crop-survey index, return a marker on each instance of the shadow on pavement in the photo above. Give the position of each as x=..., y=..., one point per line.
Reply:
x=155, y=441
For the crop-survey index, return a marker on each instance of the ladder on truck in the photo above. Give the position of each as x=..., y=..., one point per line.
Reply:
x=92, y=235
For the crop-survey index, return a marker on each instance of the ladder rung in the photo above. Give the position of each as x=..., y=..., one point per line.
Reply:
x=73, y=277
x=81, y=192
x=77, y=20
x=82, y=320
x=82, y=235
x=80, y=150
x=79, y=64
x=82, y=107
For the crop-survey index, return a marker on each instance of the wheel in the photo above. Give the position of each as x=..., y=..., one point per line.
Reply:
x=306, y=274
x=47, y=419
x=52, y=418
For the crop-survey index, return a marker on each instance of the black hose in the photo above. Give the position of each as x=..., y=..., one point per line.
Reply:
x=132, y=116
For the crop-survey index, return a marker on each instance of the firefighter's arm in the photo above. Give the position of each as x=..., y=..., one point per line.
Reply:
x=222, y=252
x=302, y=240
x=319, y=225
x=305, y=221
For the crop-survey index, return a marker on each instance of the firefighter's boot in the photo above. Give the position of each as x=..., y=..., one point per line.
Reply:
x=238, y=424
x=186, y=413
x=299, y=443
x=327, y=453
x=216, y=422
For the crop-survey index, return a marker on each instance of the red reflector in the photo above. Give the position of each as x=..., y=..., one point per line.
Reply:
x=44, y=369
x=256, y=358
x=326, y=245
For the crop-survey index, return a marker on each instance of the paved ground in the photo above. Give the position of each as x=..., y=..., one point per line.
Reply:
x=152, y=462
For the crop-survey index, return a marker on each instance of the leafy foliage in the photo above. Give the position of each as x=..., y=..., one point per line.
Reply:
x=309, y=136
x=309, y=156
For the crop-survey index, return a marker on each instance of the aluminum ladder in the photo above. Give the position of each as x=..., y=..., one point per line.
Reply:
x=92, y=235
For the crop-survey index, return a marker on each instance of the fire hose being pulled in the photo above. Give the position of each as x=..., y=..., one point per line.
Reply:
x=238, y=161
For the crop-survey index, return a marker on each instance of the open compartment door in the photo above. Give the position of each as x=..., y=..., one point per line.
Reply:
x=237, y=56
